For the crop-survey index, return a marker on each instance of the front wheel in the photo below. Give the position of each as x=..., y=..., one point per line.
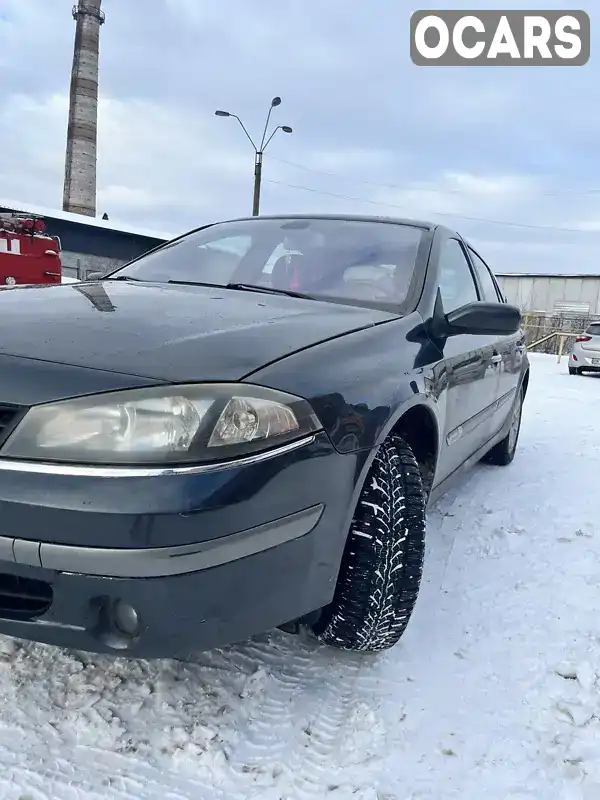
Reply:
x=574, y=371
x=381, y=568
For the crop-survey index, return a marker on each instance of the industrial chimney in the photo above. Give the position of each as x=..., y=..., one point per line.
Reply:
x=79, y=195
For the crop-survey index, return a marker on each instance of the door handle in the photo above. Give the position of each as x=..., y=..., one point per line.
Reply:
x=496, y=359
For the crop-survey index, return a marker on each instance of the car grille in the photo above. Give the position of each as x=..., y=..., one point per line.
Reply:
x=23, y=598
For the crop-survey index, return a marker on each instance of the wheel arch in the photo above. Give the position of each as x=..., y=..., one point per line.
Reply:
x=418, y=427
x=420, y=409
x=416, y=422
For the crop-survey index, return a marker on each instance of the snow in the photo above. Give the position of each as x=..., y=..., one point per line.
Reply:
x=492, y=692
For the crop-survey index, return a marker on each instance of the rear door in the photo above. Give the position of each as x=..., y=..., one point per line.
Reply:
x=508, y=351
x=470, y=374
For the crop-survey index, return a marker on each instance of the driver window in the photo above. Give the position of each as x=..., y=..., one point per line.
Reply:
x=457, y=285
x=491, y=293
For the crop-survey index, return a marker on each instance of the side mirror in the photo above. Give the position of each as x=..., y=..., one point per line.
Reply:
x=492, y=319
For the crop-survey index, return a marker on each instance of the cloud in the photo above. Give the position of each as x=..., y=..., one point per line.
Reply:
x=592, y=225
x=32, y=143
x=468, y=147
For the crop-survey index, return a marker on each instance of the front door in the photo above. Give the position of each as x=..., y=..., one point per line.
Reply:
x=471, y=369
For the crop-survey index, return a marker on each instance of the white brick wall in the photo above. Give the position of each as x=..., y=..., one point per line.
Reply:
x=71, y=261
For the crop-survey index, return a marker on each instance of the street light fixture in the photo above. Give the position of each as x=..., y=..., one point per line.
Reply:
x=258, y=151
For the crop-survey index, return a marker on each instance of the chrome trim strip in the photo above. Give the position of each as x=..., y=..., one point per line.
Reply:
x=158, y=562
x=506, y=398
x=77, y=470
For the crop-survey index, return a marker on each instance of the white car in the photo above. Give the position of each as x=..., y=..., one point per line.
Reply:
x=585, y=356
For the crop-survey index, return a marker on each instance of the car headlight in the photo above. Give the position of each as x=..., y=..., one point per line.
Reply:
x=175, y=424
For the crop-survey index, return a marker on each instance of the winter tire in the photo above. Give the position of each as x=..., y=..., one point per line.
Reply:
x=381, y=568
x=502, y=454
x=574, y=371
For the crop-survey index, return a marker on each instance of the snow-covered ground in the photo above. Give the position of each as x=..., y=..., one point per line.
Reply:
x=492, y=694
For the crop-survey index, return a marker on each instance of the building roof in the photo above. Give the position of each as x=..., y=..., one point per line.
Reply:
x=596, y=276
x=80, y=219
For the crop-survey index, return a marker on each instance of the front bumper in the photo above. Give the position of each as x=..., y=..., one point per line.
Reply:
x=203, y=559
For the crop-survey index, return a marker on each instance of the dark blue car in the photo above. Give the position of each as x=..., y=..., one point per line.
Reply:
x=242, y=429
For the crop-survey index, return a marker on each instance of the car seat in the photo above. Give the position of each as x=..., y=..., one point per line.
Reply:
x=286, y=272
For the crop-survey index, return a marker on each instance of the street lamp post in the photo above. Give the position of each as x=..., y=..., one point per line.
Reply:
x=258, y=151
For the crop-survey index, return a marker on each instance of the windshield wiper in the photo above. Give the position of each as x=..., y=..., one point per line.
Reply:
x=124, y=278
x=248, y=287
x=181, y=283
x=244, y=287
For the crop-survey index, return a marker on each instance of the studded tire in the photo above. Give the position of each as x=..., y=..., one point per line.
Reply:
x=382, y=565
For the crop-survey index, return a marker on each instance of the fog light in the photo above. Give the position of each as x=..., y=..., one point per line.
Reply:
x=126, y=618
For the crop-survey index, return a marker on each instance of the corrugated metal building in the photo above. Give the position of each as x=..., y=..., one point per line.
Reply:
x=553, y=294
x=90, y=245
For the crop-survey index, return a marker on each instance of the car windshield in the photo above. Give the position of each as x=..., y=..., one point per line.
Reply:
x=347, y=260
x=594, y=329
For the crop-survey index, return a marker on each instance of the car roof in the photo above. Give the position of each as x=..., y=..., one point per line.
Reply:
x=343, y=217
x=424, y=224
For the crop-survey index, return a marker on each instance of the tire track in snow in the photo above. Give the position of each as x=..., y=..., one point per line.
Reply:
x=315, y=764
x=289, y=668
x=274, y=741
x=295, y=733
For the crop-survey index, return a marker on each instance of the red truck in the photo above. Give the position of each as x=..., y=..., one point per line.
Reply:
x=27, y=253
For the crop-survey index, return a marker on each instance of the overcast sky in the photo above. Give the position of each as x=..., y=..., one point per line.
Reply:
x=373, y=133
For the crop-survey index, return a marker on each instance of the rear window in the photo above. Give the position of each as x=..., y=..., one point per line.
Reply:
x=593, y=329
x=367, y=262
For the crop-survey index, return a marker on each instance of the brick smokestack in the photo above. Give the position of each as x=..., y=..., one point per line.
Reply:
x=79, y=194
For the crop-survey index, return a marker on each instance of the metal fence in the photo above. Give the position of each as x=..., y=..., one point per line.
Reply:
x=537, y=325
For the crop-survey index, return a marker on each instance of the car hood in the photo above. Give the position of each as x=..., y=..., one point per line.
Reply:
x=167, y=332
